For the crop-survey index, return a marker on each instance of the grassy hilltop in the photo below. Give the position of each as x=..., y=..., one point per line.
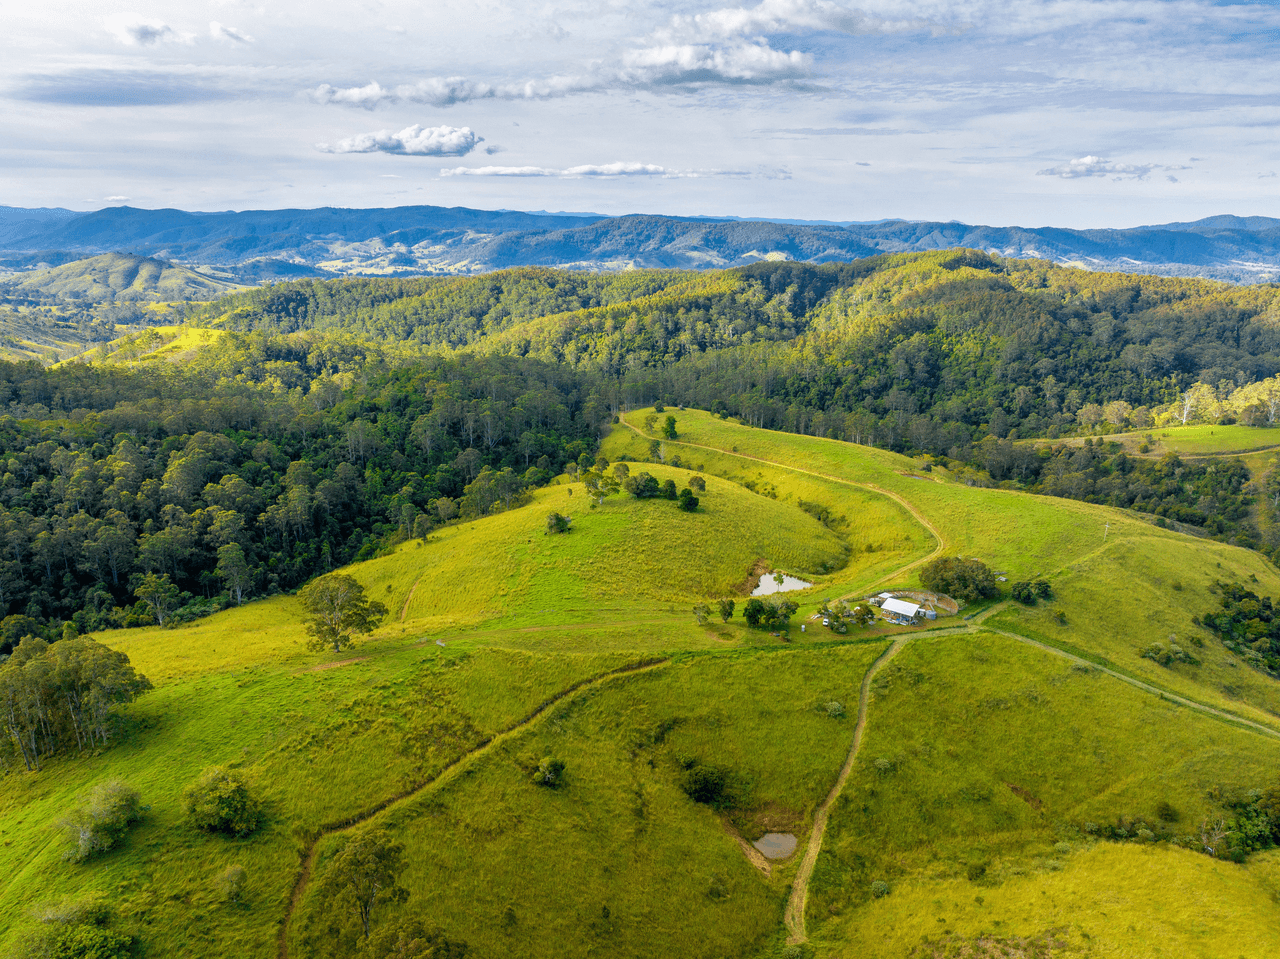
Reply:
x=998, y=754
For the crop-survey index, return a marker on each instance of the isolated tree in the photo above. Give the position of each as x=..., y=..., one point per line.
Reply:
x=557, y=523
x=599, y=485
x=158, y=592
x=669, y=489
x=687, y=501
x=234, y=570
x=364, y=873
x=220, y=801
x=701, y=613
x=669, y=428
x=698, y=483
x=726, y=609
x=338, y=608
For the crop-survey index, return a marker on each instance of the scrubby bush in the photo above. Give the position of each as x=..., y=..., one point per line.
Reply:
x=709, y=785
x=219, y=801
x=231, y=883
x=77, y=929
x=698, y=483
x=557, y=523
x=687, y=501
x=100, y=820
x=835, y=709
x=879, y=889
x=550, y=773
x=963, y=579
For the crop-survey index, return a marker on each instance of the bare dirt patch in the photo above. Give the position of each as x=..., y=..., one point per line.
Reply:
x=758, y=572
x=1025, y=796
x=1044, y=946
x=343, y=662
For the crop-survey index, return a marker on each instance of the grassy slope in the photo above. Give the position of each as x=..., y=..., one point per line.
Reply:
x=1119, y=594
x=958, y=723
x=620, y=834
x=123, y=276
x=524, y=615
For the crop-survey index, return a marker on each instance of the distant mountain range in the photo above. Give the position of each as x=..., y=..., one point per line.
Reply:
x=257, y=245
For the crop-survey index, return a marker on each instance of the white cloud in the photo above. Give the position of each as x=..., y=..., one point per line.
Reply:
x=589, y=170
x=784, y=16
x=447, y=91
x=411, y=141
x=115, y=199
x=691, y=63
x=1096, y=166
x=222, y=32
x=136, y=31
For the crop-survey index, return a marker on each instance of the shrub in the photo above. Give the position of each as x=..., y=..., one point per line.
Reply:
x=101, y=819
x=557, y=523
x=708, y=785
x=835, y=709
x=550, y=773
x=231, y=883
x=698, y=483
x=1024, y=593
x=688, y=502
x=77, y=929
x=879, y=889
x=219, y=801
x=964, y=579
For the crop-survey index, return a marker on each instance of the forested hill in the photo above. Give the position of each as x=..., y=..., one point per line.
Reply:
x=279, y=432
x=951, y=337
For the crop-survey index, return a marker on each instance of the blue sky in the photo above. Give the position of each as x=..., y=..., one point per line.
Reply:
x=1047, y=112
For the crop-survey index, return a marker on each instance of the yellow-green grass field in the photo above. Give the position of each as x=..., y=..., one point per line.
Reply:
x=1122, y=583
x=955, y=722
x=1119, y=600
x=1105, y=901
x=621, y=834
x=318, y=745
x=623, y=556
x=983, y=762
x=1022, y=535
x=1203, y=439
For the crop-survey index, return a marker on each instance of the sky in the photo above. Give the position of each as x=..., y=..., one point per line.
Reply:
x=1072, y=113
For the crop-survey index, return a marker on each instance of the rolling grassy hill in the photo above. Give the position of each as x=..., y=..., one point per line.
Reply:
x=120, y=277
x=987, y=746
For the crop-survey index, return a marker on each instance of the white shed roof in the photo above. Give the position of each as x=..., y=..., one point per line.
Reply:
x=900, y=606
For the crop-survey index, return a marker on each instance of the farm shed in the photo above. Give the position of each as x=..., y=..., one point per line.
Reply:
x=900, y=611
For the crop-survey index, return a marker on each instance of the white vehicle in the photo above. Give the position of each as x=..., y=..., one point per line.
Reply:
x=826, y=621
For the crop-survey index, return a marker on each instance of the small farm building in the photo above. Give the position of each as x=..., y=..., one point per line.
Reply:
x=900, y=611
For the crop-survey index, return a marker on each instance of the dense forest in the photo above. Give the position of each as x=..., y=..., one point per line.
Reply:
x=230, y=488
x=320, y=420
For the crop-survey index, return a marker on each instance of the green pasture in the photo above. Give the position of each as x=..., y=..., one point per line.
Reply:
x=1203, y=439
x=983, y=761
x=620, y=833
x=980, y=750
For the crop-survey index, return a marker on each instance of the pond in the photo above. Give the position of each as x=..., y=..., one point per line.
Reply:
x=770, y=585
x=776, y=845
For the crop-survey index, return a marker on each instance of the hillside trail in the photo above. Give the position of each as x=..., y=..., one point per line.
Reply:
x=409, y=599
x=1164, y=694
x=447, y=773
x=794, y=917
x=870, y=487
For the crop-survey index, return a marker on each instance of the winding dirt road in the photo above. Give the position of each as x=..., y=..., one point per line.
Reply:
x=794, y=917
x=444, y=775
